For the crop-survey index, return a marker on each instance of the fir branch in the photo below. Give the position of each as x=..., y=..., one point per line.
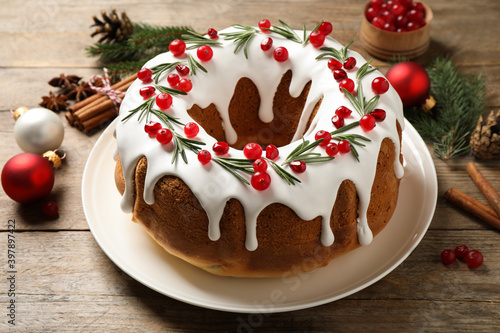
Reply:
x=146, y=36
x=107, y=52
x=241, y=38
x=194, y=40
x=460, y=101
x=123, y=69
x=286, y=31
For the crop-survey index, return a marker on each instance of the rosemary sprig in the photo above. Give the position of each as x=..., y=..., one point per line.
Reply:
x=158, y=70
x=359, y=102
x=303, y=153
x=233, y=165
x=144, y=109
x=193, y=64
x=287, y=32
x=288, y=177
x=365, y=69
x=194, y=40
x=170, y=91
x=242, y=39
x=330, y=52
x=306, y=39
x=180, y=145
x=353, y=140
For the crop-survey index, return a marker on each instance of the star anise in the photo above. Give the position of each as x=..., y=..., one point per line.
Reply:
x=54, y=102
x=78, y=92
x=64, y=81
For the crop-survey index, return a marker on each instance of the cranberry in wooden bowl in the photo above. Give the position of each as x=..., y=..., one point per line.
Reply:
x=393, y=28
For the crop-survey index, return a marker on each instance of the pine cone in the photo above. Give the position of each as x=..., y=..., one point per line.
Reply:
x=485, y=140
x=112, y=28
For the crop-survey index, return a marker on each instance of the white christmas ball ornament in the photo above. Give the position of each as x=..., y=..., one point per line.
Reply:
x=38, y=130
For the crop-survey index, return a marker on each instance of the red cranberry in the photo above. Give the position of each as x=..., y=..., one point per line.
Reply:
x=272, y=152
x=378, y=22
x=183, y=70
x=298, y=166
x=367, y=122
x=350, y=63
x=280, y=54
x=474, y=258
x=448, y=257
x=371, y=13
x=332, y=149
x=325, y=135
x=339, y=74
x=260, y=181
x=334, y=64
x=461, y=251
x=220, y=148
x=164, y=101
x=344, y=146
x=264, y=25
x=266, y=44
x=326, y=28
x=252, y=151
x=347, y=84
x=204, y=156
x=145, y=75
x=378, y=114
x=317, y=38
x=173, y=79
x=191, y=129
x=259, y=165
x=164, y=136
x=152, y=127
x=177, y=47
x=185, y=85
x=212, y=33
x=147, y=92
x=380, y=85
x=205, y=53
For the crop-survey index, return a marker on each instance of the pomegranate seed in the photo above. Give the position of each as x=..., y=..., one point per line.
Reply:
x=191, y=129
x=252, y=151
x=298, y=166
x=266, y=44
x=177, y=47
x=317, y=38
x=448, y=257
x=344, y=146
x=326, y=136
x=367, y=122
x=50, y=209
x=347, y=84
x=417, y=6
x=339, y=74
x=164, y=136
x=213, y=34
x=398, y=9
x=371, y=13
x=343, y=112
x=474, y=258
x=264, y=24
x=152, y=127
x=173, y=79
x=145, y=75
x=461, y=251
x=401, y=30
x=183, y=70
x=164, y=101
x=204, y=156
x=260, y=181
x=387, y=16
x=220, y=148
x=378, y=114
x=406, y=3
x=389, y=27
x=415, y=15
x=334, y=64
x=280, y=54
x=205, y=53
x=326, y=28
x=338, y=121
x=147, y=92
x=350, y=63
x=383, y=6
x=332, y=149
x=380, y=85
x=272, y=152
x=259, y=165
x=378, y=22
x=185, y=85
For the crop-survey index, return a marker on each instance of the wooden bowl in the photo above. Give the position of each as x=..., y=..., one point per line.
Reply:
x=388, y=45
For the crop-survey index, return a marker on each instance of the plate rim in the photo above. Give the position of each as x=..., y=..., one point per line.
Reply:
x=287, y=307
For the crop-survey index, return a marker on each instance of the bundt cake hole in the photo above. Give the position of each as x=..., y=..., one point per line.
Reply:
x=244, y=115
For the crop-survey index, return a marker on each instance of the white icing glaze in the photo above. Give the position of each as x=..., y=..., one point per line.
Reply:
x=214, y=186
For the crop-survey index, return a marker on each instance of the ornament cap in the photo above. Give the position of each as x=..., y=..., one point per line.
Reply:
x=55, y=157
x=18, y=111
x=428, y=104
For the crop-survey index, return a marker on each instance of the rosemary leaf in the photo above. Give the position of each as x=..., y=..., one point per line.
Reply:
x=315, y=28
x=355, y=103
x=170, y=91
x=194, y=40
x=288, y=177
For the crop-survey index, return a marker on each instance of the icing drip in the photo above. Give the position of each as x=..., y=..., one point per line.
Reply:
x=214, y=186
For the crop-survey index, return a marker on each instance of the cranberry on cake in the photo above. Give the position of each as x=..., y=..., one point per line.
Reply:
x=260, y=151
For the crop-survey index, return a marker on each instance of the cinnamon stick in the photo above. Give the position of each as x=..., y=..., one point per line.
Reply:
x=117, y=86
x=476, y=208
x=488, y=190
x=96, y=121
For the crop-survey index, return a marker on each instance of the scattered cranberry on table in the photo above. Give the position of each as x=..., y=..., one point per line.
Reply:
x=396, y=15
x=473, y=258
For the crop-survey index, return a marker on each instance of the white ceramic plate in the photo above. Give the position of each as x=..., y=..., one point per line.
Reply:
x=129, y=247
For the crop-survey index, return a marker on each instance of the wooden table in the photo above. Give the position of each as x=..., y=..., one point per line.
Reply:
x=65, y=282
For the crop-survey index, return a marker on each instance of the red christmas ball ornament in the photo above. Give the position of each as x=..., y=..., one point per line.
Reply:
x=411, y=81
x=27, y=177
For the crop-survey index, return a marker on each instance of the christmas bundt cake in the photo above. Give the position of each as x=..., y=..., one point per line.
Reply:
x=260, y=151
